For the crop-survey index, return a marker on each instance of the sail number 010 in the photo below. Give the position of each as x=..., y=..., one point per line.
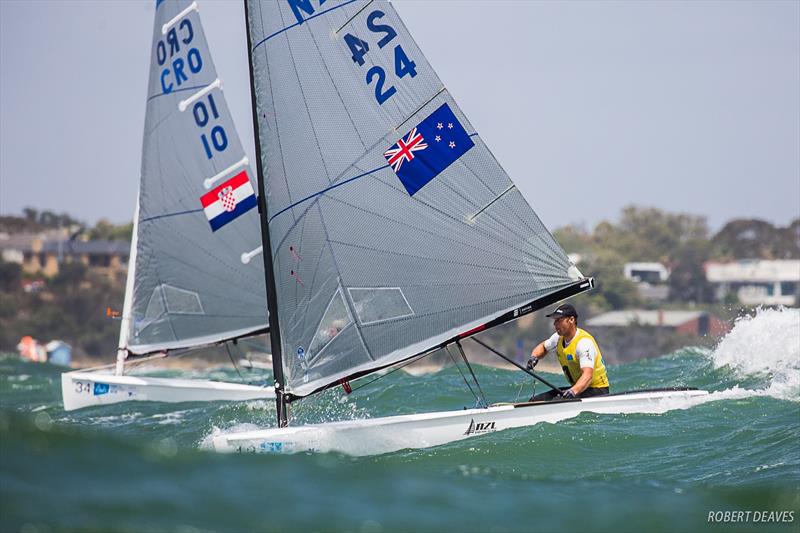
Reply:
x=402, y=64
x=216, y=139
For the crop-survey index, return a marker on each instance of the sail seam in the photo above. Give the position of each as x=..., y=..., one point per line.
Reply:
x=339, y=282
x=167, y=215
x=287, y=28
x=323, y=191
x=196, y=87
x=420, y=108
x=353, y=17
x=305, y=105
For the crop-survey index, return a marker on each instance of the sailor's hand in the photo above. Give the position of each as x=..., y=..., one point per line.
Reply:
x=568, y=394
x=532, y=363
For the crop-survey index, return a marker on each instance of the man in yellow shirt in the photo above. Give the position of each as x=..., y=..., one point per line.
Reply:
x=578, y=355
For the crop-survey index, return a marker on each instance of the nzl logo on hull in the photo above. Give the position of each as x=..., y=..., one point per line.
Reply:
x=480, y=427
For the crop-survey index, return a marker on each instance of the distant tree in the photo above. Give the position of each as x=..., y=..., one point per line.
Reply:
x=70, y=275
x=614, y=290
x=756, y=239
x=10, y=276
x=574, y=239
x=30, y=214
x=687, y=279
x=105, y=230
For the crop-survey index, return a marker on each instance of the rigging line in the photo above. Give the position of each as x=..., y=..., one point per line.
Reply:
x=392, y=371
x=461, y=349
x=235, y=367
x=477, y=400
x=287, y=28
x=516, y=364
x=323, y=191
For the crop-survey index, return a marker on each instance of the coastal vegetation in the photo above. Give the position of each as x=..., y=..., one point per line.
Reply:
x=72, y=305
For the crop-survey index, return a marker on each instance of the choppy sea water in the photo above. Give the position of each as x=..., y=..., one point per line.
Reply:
x=145, y=467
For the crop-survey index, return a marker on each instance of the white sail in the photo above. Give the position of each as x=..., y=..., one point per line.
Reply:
x=197, y=202
x=392, y=226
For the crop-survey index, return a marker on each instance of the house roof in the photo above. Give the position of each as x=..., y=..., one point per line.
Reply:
x=753, y=271
x=643, y=317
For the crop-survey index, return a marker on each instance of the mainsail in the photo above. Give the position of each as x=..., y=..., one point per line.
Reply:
x=393, y=228
x=196, y=211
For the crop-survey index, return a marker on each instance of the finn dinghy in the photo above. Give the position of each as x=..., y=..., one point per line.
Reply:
x=190, y=282
x=390, y=229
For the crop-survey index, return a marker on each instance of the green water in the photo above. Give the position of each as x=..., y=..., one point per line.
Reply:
x=143, y=466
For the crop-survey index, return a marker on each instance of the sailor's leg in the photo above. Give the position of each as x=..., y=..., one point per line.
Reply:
x=594, y=391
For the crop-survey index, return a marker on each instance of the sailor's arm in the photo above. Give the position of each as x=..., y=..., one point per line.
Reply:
x=584, y=381
x=542, y=348
x=539, y=351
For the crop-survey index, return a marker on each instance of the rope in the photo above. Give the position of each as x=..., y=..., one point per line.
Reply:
x=395, y=369
x=483, y=396
x=477, y=399
x=230, y=356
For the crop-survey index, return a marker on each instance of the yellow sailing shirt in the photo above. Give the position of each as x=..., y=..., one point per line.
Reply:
x=569, y=358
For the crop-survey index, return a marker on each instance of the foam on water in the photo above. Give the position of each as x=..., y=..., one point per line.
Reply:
x=765, y=345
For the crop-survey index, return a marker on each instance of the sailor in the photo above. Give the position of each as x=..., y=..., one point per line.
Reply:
x=578, y=355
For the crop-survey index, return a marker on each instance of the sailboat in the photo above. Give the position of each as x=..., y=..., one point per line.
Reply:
x=191, y=282
x=389, y=229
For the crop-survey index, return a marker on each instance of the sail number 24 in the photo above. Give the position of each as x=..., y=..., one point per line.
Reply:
x=403, y=66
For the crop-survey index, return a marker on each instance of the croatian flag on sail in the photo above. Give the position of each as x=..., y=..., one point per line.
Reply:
x=429, y=148
x=229, y=201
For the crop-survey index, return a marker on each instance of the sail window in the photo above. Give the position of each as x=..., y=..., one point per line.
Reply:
x=335, y=319
x=181, y=301
x=378, y=304
x=155, y=307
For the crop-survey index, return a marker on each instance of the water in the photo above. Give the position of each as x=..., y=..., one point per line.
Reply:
x=143, y=466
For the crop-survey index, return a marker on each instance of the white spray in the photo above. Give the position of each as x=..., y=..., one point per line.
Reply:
x=765, y=344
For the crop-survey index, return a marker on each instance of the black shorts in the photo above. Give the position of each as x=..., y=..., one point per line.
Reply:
x=553, y=394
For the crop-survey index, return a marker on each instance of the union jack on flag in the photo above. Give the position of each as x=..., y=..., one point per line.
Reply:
x=439, y=141
x=404, y=149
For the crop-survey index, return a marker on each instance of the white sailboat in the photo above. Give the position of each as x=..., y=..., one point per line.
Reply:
x=390, y=229
x=191, y=282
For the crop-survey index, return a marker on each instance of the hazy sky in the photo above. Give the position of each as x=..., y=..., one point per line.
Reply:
x=590, y=106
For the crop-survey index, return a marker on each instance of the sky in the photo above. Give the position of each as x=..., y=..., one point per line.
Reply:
x=691, y=107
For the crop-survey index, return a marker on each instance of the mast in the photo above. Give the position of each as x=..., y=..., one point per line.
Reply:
x=127, y=304
x=272, y=301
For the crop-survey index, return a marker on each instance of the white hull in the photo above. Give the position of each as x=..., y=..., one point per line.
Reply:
x=383, y=435
x=85, y=389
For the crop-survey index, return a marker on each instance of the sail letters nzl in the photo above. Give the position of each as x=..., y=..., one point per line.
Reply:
x=168, y=54
x=303, y=5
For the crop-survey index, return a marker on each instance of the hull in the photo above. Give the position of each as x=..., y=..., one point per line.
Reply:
x=86, y=389
x=389, y=434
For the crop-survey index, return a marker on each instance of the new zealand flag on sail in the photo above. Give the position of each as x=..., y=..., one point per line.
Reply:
x=429, y=148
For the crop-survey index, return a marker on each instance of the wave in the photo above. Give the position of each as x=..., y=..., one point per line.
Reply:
x=764, y=346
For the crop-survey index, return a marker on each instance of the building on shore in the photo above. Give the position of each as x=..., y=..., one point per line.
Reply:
x=639, y=334
x=650, y=279
x=756, y=282
x=44, y=253
x=695, y=323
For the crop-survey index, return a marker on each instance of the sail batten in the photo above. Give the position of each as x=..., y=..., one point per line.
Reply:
x=196, y=202
x=393, y=228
